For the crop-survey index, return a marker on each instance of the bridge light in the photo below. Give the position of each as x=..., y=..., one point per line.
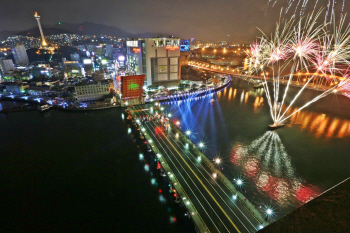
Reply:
x=201, y=145
x=234, y=197
x=261, y=226
x=214, y=175
x=239, y=182
x=158, y=155
x=188, y=132
x=269, y=211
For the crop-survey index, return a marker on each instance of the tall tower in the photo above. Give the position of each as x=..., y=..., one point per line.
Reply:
x=37, y=17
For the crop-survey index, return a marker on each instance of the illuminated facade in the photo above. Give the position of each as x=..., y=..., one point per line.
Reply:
x=157, y=58
x=131, y=87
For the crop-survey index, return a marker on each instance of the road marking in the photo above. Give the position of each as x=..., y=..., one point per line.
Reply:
x=204, y=186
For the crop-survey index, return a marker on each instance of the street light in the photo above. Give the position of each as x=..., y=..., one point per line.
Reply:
x=201, y=145
x=239, y=182
x=217, y=161
x=188, y=133
x=269, y=211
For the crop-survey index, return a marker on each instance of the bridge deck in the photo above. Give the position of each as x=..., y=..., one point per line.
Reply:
x=212, y=199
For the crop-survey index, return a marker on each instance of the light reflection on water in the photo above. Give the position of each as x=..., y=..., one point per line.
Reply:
x=235, y=133
x=266, y=163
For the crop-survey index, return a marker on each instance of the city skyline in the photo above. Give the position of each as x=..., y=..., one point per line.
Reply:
x=239, y=19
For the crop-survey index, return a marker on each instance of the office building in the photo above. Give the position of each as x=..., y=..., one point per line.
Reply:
x=6, y=66
x=92, y=91
x=72, y=68
x=20, y=54
x=109, y=51
x=157, y=58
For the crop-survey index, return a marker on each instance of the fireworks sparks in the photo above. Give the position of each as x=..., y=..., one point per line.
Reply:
x=300, y=5
x=302, y=46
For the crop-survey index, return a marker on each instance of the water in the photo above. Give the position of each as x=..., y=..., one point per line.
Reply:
x=280, y=169
x=80, y=172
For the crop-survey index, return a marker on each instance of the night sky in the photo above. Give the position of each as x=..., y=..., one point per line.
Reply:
x=200, y=19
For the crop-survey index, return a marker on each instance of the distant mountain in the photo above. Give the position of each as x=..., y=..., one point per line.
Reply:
x=34, y=31
x=86, y=28
x=7, y=33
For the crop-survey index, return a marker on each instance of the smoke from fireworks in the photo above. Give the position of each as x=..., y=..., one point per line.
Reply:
x=303, y=45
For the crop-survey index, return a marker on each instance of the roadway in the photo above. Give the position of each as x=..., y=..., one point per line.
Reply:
x=212, y=199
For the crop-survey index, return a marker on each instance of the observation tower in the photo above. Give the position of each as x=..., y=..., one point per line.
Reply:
x=37, y=17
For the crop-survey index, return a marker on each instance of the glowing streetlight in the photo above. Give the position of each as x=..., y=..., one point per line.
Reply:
x=169, y=115
x=178, y=122
x=201, y=145
x=188, y=133
x=239, y=182
x=269, y=211
x=214, y=175
x=217, y=161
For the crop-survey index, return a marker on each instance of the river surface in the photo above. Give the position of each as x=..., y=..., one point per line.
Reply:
x=83, y=172
x=80, y=172
x=281, y=169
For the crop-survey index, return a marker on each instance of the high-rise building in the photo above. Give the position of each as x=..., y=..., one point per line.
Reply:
x=157, y=58
x=6, y=66
x=109, y=50
x=20, y=54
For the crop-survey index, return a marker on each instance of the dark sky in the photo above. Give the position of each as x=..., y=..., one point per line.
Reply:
x=202, y=19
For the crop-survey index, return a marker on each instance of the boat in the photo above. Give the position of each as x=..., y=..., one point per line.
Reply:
x=275, y=126
x=44, y=107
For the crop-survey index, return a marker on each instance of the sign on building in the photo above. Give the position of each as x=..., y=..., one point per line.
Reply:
x=131, y=86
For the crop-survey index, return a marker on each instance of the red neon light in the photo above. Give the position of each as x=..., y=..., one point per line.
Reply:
x=172, y=47
x=136, y=50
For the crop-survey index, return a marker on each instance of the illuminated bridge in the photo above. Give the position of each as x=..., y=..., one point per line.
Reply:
x=298, y=79
x=212, y=201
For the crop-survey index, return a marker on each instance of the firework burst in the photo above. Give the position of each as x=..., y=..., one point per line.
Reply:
x=303, y=45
